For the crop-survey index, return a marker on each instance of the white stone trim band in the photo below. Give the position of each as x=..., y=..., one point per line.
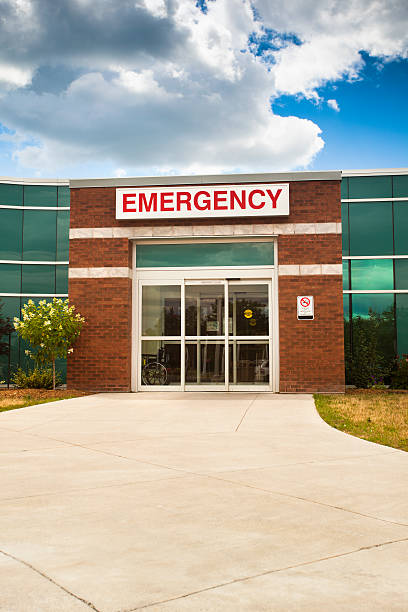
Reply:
x=309, y=269
x=283, y=270
x=100, y=273
x=178, y=231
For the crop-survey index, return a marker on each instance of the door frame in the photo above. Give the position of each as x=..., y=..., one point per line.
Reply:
x=205, y=275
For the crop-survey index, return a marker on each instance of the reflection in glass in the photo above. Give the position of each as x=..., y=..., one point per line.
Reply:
x=161, y=310
x=11, y=233
x=10, y=309
x=40, y=195
x=400, y=227
x=61, y=279
x=346, y=280
x=249, y=363
x=204, y=310
x=62, y=235
x=370, y=187
x=38, y=279
x=63, y=196
x=374, y=314
x=205, y=254
x=401, y=273
x=402, y=324
x=11, y=195
x=371, y=228
x=248, y=310
x=205, y=362
x=40, y=235
x=160, y=364
x=10, y=278
x=372, y=274
x=345, y=229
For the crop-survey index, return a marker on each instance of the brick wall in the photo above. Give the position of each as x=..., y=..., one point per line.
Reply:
x=101, y=357
x=310, y=202
x=311, y=352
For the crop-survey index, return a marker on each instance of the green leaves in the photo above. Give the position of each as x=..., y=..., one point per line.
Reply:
x=50, y=327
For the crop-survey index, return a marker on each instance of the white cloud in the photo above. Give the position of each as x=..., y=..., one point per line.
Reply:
x=334, y=105
x=332, y=35
x=156, y=86
x=13, y=77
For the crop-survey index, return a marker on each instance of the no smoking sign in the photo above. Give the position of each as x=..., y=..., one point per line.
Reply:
x=305, y=307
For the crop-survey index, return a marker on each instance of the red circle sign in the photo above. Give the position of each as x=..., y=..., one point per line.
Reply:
x=305, y=302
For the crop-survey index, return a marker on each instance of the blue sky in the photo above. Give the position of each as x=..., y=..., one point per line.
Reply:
x=101, y=88
x=371, y=128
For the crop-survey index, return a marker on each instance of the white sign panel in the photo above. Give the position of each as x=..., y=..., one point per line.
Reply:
x=305, y=307
x=256, y=200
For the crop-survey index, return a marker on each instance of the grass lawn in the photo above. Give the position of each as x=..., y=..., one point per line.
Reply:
x=20, y=398
x=377, y=416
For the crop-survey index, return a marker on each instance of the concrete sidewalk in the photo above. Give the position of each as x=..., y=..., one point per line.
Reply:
x=205, y=502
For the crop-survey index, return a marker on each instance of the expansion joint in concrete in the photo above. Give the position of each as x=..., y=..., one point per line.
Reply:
x=267, y=573
x=60, y=586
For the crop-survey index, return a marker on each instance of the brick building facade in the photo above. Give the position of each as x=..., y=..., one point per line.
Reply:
x=302, y=355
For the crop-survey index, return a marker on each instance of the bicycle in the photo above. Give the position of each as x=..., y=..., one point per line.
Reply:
x=154, y=372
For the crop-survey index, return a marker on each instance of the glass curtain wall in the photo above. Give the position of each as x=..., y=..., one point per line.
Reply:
x=34, y=233
x=375, y=261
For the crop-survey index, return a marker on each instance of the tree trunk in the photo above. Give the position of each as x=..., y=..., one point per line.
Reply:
x=53, y=374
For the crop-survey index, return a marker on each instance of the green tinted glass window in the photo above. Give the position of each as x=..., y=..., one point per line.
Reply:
x=346, y=283
x=205, y=254
x=372, y=274
x=402, y=323
x=62, y=235
x=11, y=195
x=401, y=227
x=345, y=229
x=61, y=279
x=346, y=307
x=401, y=273
x=370, y=187
x=381, y=321
x=371, y=228
x=40, y=235
x=400, y=186
x=344, y=188
x=10, y=308
x=10, y=278
x=347, y=338
x=40, y=195
x=38, y=279
x=63, y=196
x=11, y=232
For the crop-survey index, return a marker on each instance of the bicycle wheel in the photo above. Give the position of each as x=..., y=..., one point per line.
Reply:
x=154, y=374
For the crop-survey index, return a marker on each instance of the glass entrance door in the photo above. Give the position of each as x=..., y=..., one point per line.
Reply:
x=205, y=335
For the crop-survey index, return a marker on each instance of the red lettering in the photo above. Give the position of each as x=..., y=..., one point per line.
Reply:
x=207, y=202
x=219, y=197
x=241, y=202
x=274, y=197
x=251, y=200
x=127, y=202
x=183, y=200
x=166, y=197
x=147, y=205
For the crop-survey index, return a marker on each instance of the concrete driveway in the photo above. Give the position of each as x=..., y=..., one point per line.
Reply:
x=220, y=502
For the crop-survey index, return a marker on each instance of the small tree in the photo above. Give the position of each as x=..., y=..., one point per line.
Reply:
x=51, y=328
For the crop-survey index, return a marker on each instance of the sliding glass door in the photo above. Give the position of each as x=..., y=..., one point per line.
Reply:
x=205, y=335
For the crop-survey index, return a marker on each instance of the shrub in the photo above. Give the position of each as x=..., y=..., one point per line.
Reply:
x=399, y=378
x=51, y=328
x=38, y=378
